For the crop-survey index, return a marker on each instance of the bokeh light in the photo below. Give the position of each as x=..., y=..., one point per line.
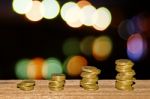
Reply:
x=102, y=48
x=128, y=27
x=65, y=9
x=73, y=65
x=35, y=13
x=51, y=66
x=83, y=3
x=34, y=69
x=101, y=18
x=123, y=29
x=136, y=47
x=86, y=15
x=21, y=6
x=73, y=14
x=21, y=68
x=76, y=24
x=71, y=46
x=50, y=9
x=86, y=45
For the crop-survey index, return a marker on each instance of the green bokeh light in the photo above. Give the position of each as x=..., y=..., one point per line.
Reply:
x=51, y=65
x=21, y=69
x=71, y=47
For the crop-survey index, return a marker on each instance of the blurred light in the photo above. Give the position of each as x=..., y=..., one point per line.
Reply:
x=102, y=48
x=73, y=14
x=76, y=24
x=73, y=65
x=136, y=47
x=143, y=23
x=65, y=8
x=86, y=15
x=71, y=46
x=50, y=9
x=86, y=45
x=101, y=18
x=35, y=13
x=21, y=6
x=21, y=69
x=123, y=29
x=127, y=28
x=83, y=3
x=50, y=66
x=34, y=69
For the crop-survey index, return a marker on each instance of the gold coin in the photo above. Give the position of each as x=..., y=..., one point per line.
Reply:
x=88, y=75
x=125, y=77
x=91, y=87
x=126, y=88
x=92, y=80
x=122, y=70
x=26, y=88
x=91, y=69
x=26, y=83
x=124, y=62
x=124, y=82
x=58, y=77
x=56, y=89
x=56, y=84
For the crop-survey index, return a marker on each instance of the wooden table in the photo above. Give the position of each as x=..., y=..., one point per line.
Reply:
x=72, y=90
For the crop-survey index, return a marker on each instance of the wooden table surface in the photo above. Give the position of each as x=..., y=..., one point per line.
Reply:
x=72, y=90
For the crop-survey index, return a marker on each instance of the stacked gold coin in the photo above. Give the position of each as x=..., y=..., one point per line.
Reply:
x=57, y=82
x=125, y=77
x=26, y=85
x=90, y=78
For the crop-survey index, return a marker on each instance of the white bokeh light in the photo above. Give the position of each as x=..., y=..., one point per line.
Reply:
x=101, y=18
x=35, y=13
x=50, y=9
x=65, y=8
x=21, y=6
x=86, y=15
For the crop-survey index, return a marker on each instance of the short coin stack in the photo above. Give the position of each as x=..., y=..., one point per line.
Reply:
x=26, y=85
x=90, y=78
x=124, y=79
x=57, y=82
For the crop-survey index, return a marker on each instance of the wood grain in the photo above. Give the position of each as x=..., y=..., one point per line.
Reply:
x=72, y=90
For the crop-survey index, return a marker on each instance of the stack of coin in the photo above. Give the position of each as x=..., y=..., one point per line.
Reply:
x=57, y=82
x=90, y=78
x=125, y=77
x=26, y=85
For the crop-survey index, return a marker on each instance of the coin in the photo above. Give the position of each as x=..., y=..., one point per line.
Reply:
x=91, y=69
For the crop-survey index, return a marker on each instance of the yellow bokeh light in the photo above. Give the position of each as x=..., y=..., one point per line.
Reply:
x=34, y=69
x=83, y=3
x=101, y=18
x=21, y=6
x=74, y=65
x=76, y=24
x=102, y=48
x=65, y=8
x=50, y=9
x=73, y=14
x=86, y=15
x=35, y=13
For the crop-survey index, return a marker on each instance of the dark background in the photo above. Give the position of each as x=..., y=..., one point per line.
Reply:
x=20, y=38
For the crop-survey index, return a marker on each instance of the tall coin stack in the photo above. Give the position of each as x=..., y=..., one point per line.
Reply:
x=57, y=82
x=125, y=77
x=26, y=85
x=90, y=78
